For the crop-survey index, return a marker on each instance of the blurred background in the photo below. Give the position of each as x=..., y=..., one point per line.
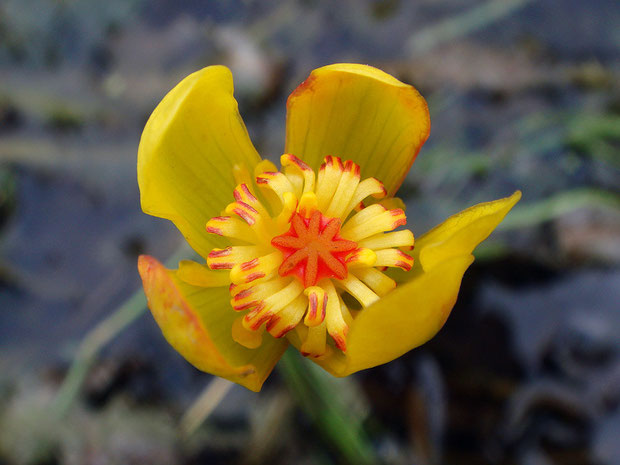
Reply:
x=523, y=94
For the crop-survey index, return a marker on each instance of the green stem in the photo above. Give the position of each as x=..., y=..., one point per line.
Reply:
x=319, y=400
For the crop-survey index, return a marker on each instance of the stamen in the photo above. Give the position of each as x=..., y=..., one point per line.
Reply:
x=362, y=257
x=276, y=183
x=402, y=238
x=315, y=342
x=244, y=211
x=288, y=318
x=242, y=289
x=375, y=280
x=327, y=183
x=232, y=228
x=249, y=296
x=293, y=165
x=281, y=298
x=243, y=194
x=264, y=166
x=386, y=221
x=335, y=324
x=225, y=259
x=288, y=209
x=272, y=305
x=317, y=306
x=257, y=268
x=366, y=188
x=308, y=204
x=257, y=221
x=344, y=192
x=394, y=258
x=346, y=314
x=359, y=290
x=272, y=200
x=362, y=216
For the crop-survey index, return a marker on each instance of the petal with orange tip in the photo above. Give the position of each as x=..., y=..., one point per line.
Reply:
x=198, y=323
x=358, y=113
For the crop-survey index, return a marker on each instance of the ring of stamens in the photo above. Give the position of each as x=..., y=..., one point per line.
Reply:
x=294, y=254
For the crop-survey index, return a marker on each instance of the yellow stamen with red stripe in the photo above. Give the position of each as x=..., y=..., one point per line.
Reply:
x=299, y=243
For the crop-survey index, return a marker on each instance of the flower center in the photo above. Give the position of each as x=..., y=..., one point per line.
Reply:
x=312, y=249
x=299, y=243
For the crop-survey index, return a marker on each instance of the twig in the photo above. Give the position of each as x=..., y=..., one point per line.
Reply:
x=204, y=405
x=337, y=422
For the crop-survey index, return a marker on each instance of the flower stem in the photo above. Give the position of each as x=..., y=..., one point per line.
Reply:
x=326, y=407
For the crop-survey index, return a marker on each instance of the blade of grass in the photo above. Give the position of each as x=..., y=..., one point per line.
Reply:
x=558, y=205
x=339, y=425
x=204, y=405
x=596, y=135
x=462, y=24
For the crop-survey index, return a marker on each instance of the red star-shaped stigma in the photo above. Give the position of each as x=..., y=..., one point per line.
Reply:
x=312, y=249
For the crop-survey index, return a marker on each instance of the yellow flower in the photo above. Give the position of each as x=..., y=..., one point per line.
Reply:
x=294, y=257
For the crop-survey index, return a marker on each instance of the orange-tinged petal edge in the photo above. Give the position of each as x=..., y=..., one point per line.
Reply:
x=185, y=328
x=359, y=113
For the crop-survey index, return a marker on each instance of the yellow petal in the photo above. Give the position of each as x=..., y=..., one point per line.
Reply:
x=358, y=113
x=461, y=233
x=417, y=309
x=187, y=153
x=198, y=322
x=404, y=319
